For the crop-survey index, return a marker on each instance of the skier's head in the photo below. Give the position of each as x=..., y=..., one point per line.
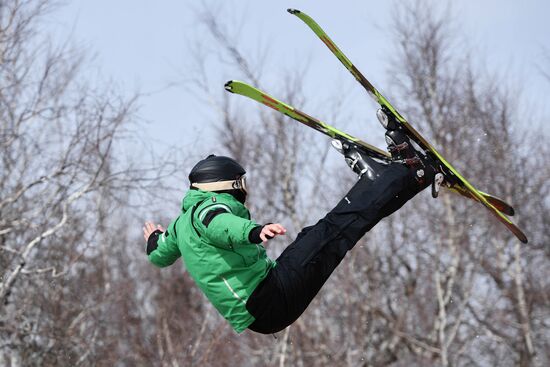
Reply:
x=219, y=174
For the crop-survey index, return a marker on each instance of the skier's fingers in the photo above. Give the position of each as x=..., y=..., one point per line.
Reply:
x=266, y=233
x=145, y=234
x=152, y=227
x=279, y=228
x=147, y=231
x=271, y=230
x=149, y=227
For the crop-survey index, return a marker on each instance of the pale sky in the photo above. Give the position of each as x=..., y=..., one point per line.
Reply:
x=143, y=45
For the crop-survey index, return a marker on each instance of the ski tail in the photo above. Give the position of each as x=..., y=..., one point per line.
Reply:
x=499, y=203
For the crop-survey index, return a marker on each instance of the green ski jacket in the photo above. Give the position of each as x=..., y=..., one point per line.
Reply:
x=212, y=235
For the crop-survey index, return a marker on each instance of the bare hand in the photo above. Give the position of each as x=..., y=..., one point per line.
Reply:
x=272, y=230
x=149, y=228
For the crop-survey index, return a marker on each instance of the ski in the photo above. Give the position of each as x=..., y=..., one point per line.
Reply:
x=388, y=114
x=238, y=87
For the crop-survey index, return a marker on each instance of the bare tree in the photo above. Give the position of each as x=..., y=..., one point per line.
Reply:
x=438, y=283
x=466, y=263
x=65, y=280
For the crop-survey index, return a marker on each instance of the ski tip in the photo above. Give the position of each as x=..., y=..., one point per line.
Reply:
x=504, y=209
x=516, y=231
x=229, y=86
x=293, y=11
x=519, y=234
x=501, y=206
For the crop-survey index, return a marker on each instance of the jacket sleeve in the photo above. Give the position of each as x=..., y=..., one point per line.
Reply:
x=166, y=251
x=226, y=230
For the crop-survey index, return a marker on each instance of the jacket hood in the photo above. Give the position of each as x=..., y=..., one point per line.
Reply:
x=193, y=197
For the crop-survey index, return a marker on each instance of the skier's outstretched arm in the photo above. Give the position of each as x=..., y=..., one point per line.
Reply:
x=225, y=230
x=162, y=248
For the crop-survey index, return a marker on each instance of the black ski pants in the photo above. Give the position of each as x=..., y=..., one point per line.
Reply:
x=306, y=264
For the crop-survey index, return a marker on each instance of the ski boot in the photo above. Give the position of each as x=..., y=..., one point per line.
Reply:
x=406, y=151
x=358, y=161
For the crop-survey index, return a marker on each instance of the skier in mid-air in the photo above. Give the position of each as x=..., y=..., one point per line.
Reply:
x=222, y=247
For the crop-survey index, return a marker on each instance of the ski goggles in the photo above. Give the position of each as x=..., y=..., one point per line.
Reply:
x=238, y=184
